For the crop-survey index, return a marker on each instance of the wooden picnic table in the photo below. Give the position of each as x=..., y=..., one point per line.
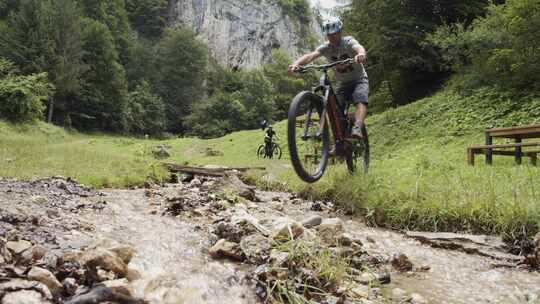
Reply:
x=515, y=133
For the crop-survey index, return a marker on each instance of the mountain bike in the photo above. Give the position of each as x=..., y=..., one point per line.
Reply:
x=310, y=113
x=269, y=150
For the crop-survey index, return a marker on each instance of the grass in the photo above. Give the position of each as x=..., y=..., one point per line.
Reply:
x=419, y=178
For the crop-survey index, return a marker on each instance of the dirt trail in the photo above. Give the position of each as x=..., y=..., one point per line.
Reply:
x=173, y=228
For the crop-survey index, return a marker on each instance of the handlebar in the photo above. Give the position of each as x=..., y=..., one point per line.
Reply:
x=323, y=67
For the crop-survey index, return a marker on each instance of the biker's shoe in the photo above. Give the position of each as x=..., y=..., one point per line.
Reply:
x=357, y=131
x=333, y=151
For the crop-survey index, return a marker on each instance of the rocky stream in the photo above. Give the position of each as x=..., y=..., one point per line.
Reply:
x=218, y=240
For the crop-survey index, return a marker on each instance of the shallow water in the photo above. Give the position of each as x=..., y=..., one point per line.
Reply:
x=172, y=257
x=170, y=254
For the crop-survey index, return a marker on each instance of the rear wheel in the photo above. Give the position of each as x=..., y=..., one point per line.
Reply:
x=308, y=142
x=261, y=153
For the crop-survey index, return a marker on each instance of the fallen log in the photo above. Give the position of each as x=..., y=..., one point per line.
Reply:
x=175, y=168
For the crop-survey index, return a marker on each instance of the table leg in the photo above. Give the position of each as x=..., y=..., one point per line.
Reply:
x=519, y=153
x=489, y=151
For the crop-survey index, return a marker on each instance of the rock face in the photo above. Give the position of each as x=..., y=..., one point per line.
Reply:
x=243, y=33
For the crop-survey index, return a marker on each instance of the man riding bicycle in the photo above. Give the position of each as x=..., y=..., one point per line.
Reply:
x=268, y=138
x=352, y=80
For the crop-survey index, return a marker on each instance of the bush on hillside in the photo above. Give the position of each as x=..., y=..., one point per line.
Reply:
x=502, y=48
x=22, y=97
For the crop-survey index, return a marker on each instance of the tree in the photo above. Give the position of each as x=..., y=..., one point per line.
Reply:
x=285, y=86
x=112, y=13
x=24, y=38
x=66, y=59
x=502, y=48
x=395, y=34
x=181, y=62
x=103, y=97
x=147, y=16
x=147, y=111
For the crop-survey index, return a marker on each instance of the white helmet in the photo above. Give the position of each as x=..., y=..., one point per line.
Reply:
x=331, y=26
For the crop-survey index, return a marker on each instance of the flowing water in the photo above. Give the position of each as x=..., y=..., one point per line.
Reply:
x=173, y=260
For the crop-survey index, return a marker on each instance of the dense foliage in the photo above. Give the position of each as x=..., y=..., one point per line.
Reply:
x=116, y=66
x=401, y=57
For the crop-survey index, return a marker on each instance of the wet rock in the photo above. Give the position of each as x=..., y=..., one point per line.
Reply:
x=105, y=260
x=103, y=294
x=14, y=285
x=331, y=300
x=17, y=247
x=401, y=262
x=367, y=278
x=161, y=152
x=234, y=232
x=195, y=182
x=313, y=221
x=124, y=252
x=279, y=258
x=240, y=188
x=277, y=205
x=120, y=285
x=330, y=230
x=103, y=275
x=398, y=294
x=316, y=206
x=256, y=248
x=46, y=277
x=224, y=248
x=24, y=297
x=287, y=230
x=70, y=286
x=133, y=275
x=359, y=291
x=417, y=299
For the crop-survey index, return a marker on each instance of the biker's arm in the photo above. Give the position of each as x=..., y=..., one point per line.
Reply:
x=307, y=58
x=360, y=53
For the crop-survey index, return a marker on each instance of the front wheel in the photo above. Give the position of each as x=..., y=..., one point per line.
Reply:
x=276, y=151
x=308, y=136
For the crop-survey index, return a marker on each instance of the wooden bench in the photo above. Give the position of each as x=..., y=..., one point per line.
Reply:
x=503, y=150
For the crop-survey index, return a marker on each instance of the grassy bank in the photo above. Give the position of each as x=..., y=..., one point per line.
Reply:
x=419, y=178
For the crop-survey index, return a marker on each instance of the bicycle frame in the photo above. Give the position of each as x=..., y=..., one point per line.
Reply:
x=332, y=110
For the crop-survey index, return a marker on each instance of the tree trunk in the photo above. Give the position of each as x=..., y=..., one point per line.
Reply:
x=51, y=109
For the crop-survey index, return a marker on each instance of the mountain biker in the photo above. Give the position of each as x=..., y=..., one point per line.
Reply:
x=352, y=79
x=270, y=133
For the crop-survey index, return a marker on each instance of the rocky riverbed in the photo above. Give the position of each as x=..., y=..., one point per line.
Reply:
x=218, y=240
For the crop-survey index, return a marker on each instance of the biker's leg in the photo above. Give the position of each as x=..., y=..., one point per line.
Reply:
x=360, y=99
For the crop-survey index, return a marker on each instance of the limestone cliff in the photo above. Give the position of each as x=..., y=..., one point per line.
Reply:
x=243, y=33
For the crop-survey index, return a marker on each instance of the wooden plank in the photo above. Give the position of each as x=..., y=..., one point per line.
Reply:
x=532, y=131
x=207, y=171
x=507, y=146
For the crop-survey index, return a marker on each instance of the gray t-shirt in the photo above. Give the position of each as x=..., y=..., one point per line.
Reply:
x=343, y=51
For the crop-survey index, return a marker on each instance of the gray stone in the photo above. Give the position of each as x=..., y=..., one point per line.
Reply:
x=47, y=278
x=19, y=284
x=330, y=230
x=17, y=247
x=70, y=286
x=417, y=299
x=312, y=221
x=124, y=252
x=256, y=248
x=401, y=262
x=287, y=230
x=224, y=248
x=24, y=297
x=105, y=260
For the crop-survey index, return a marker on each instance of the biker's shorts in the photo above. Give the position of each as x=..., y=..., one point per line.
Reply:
x=354, y=92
